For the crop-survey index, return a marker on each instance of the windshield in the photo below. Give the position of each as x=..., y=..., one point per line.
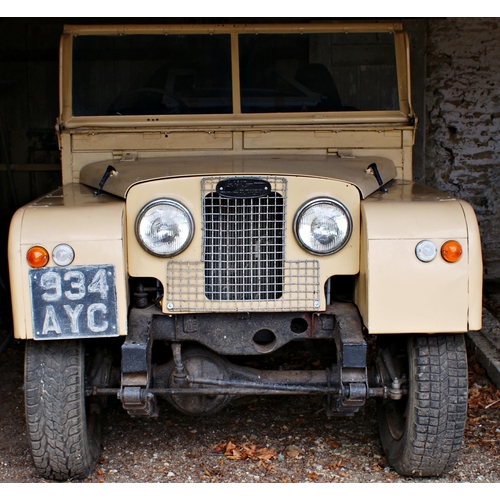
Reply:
x=151, y=74
x=318, y=72
x=192, y=74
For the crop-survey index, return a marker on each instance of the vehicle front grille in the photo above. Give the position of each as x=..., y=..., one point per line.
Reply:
x=244, y=247
x=243, y=266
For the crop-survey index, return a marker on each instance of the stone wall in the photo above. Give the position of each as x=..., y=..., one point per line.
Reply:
x=462, y=148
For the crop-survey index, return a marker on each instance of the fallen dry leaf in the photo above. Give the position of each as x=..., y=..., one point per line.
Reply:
x=266, y=454
x=333, y=466
x=292, y=451
x=267, y=466
x=332, y=443
x=243, y=451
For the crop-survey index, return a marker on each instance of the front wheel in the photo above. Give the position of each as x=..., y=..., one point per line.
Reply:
x=63, y=433
x=422, y=433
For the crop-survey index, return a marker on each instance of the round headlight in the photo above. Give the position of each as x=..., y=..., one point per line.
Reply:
x=323, y=226
x=164, y=227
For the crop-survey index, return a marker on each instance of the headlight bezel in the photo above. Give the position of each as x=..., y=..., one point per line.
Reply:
x=171, y=203
x=317, y=201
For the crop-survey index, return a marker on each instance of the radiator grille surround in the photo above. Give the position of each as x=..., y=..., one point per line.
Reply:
x=243, y=264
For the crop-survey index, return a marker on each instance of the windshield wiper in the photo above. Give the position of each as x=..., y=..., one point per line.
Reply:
x=105, y=177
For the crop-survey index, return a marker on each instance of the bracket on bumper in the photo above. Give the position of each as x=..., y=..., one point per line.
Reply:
x=136, y=377
x=351, y=360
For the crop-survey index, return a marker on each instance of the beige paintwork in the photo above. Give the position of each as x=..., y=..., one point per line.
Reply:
x=352, y=170
x=397, y=293
x=85, y=140
x=80, y=149
x=236, y=119
x=319, y=154
x=187, y=191
x=93, y=226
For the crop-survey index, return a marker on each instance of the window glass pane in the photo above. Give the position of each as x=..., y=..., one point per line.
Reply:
x=151, y=74
x=318, y=72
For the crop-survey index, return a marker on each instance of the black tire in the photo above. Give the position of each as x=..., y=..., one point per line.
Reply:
x=422, y=433
x=63, y=434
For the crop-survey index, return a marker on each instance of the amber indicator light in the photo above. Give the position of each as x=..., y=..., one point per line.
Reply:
x=37, y=257
x=451, y=251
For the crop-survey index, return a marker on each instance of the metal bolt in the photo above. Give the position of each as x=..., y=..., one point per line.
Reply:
x=170, y=306
x=316, y=303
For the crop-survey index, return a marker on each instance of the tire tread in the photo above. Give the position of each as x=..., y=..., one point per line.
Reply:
x=439, y=426
x=437, y=408
x=55, y=409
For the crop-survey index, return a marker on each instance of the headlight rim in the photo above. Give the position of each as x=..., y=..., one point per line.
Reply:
x=315, y=201
x=171, y=202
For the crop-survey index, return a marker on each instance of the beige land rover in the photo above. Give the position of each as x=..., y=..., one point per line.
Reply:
x=235, y=193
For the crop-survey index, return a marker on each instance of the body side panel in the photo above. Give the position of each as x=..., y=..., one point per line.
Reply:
x=91, y=225
x=396, y=292
x=475, y=268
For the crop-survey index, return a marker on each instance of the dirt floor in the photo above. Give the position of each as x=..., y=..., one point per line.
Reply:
x=261, y=440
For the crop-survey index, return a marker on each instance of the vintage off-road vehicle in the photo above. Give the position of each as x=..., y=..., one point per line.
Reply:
x=234, y=193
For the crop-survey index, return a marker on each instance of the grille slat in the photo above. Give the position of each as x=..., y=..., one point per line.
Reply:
x=243, y=247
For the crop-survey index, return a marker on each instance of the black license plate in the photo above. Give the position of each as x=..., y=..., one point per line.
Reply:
x=74, y=302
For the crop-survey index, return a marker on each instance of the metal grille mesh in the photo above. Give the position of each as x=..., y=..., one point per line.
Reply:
x=243, y=247
x=243, y=266
x=186, y=290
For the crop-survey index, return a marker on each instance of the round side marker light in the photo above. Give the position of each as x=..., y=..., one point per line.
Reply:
x=426, y=251
x=451, y=251
x=37, y=257
x=63, y=255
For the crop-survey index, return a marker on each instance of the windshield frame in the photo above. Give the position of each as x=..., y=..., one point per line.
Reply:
x=402, y=116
